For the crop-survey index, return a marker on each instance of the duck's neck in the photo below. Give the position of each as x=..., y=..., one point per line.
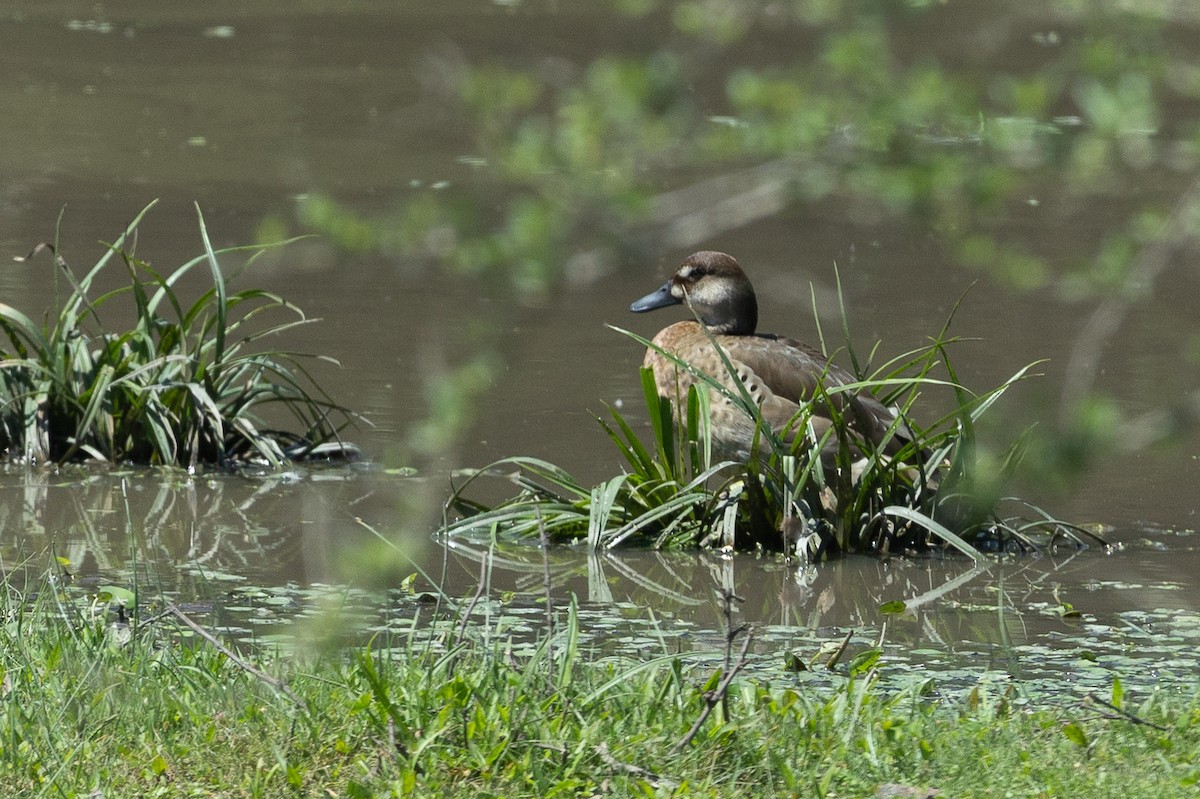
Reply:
x=732, y=316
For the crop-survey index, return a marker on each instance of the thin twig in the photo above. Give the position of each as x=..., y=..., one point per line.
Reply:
x=655, y=780
x=716, y=697
x=1120, y=714
x=731, y=634
x=274, y=682
x=466, y=614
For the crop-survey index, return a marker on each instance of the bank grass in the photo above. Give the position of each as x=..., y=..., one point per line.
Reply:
x=99, y=702
x=809, y=494
x=188, y=383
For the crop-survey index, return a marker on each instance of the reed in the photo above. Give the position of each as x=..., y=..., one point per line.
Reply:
x=184, y=386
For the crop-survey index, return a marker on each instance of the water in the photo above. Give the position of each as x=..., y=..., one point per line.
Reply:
x=262, y=117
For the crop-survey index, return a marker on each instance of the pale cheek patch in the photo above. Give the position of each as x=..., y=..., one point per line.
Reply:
x=713, y=294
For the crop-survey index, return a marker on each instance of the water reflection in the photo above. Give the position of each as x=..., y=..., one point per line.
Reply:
x=286, y=560
x=177, y=532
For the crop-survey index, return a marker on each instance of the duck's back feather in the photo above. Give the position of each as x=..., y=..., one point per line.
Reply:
x=779, y=373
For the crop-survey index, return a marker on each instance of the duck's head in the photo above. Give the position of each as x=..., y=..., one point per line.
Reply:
x=715, y=288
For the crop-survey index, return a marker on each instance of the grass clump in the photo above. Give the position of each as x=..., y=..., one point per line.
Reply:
x=791, y=496
x=181, y=387
x=96, y=702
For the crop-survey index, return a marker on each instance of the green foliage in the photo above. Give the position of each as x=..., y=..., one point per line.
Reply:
x=182, y=386
x=90, y=701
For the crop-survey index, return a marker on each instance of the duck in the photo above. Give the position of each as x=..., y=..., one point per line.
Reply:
x=780, y=374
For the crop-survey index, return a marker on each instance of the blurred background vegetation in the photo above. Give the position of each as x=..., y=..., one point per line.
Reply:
x=1051, y=147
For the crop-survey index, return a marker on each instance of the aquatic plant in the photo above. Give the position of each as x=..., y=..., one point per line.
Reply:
x=182, y=386
x=786, y=496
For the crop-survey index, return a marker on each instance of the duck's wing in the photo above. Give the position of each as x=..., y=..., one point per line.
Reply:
x=779, y=374
x=787, y=368
x=782, y=373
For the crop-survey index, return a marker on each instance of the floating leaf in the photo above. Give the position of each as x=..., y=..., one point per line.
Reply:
x=115, y=594
x=893, y=607
x=1068, y=611
x=865, y=661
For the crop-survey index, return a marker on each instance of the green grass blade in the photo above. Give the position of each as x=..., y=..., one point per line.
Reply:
x=222, y=308
x=940, y=530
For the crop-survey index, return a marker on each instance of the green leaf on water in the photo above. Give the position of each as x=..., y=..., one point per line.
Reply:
x=1068, y=611
x=865, y=661
x=224, y=576
x=893, y=607
x=1118, y=692
x=116, y=594
x=1076, y=734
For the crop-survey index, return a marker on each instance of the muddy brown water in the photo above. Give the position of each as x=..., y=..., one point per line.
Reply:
x=243, y=109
